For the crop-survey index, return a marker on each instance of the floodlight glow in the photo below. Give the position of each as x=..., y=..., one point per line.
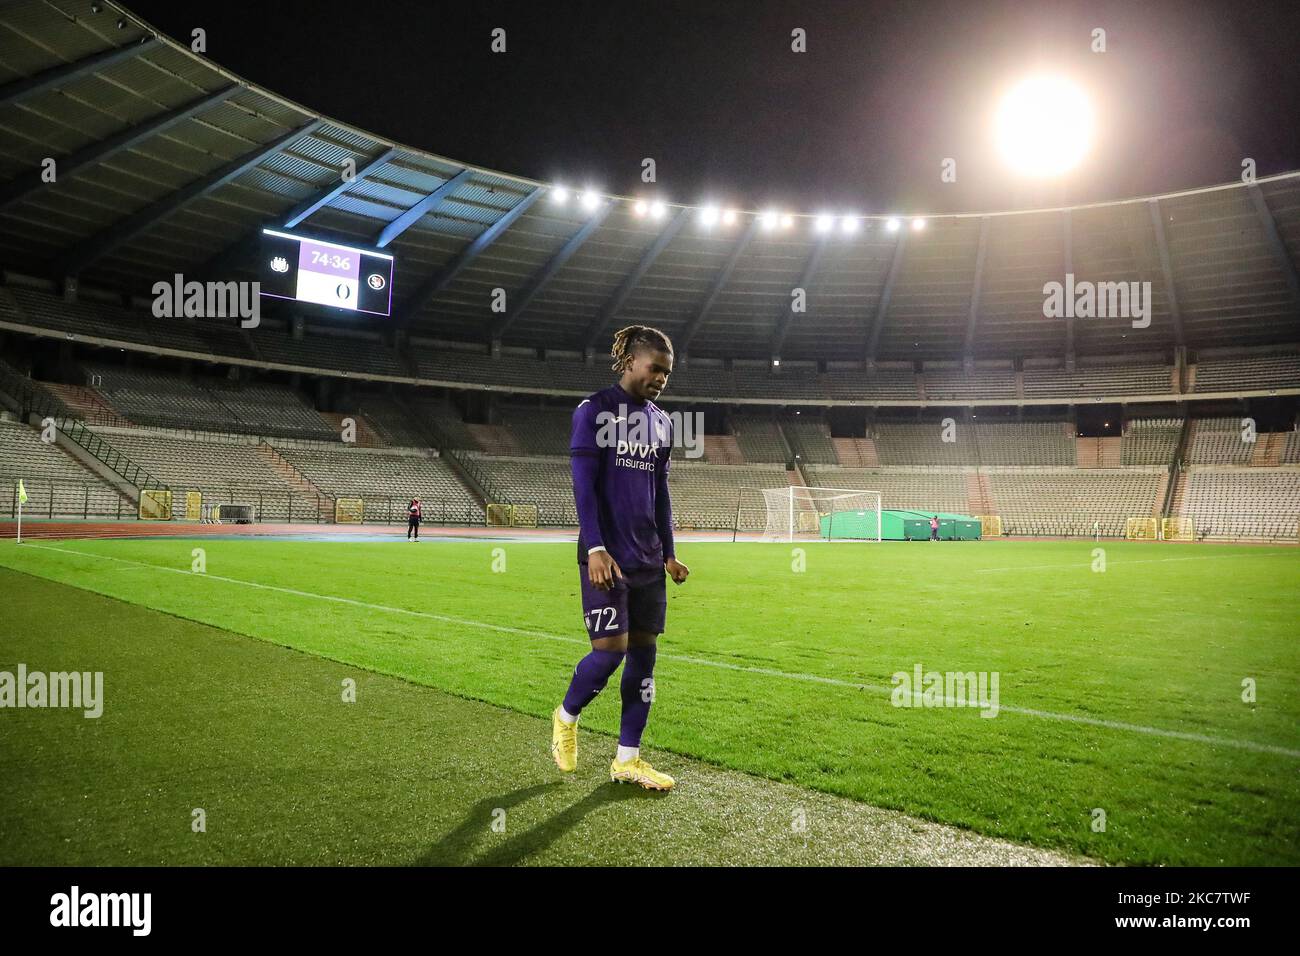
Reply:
x=559, y=195
x=709, y=215
x=1044, y=126
x=824, y=223
x=590, y=199
x=848, y=225
x=640, y=208
x=767, y=220
x=657, y=210
x=729, y=217
x=787, y=221
x=892, y=225
x=918, y=225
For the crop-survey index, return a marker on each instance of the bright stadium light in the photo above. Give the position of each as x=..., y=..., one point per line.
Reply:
x=892, y=225
x=729, y=217
x=640, y=207
x=787, y=221
x=824, y=223
x=849, y=225
x=1044, y=126
x=709, y=215
x=559, y=195
x=657, y=210
x=767, y=220
x=590, y=199
x=918, y=225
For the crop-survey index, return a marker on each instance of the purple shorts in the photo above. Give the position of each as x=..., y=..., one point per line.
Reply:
x=636, y=602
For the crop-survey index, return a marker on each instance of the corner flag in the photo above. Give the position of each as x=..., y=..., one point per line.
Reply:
x=22, y=493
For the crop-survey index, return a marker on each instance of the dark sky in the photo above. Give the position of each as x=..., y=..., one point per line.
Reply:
x=713, y=92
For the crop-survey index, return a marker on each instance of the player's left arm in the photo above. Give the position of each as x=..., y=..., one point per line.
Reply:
x=664, y=517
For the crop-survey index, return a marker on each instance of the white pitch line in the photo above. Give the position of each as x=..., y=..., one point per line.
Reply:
x=704, y=662
x=1085, y=563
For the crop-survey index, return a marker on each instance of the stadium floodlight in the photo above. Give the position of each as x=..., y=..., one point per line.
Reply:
x=849, y=225
x=640, y=207
x=1044, y=126
x=824, y=223
x=918, y=224
x=776, y=362
x=767, y=220
x=892, y=225
x=729, y=217
x=787, y=221
x=709, y=215
x=590, y=199
x=559, y=195
x=657, y=210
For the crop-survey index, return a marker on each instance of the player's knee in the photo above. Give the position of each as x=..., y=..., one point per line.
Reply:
x=617, y=642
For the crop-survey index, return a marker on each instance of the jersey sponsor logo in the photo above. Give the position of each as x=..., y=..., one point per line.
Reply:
x=638, y=449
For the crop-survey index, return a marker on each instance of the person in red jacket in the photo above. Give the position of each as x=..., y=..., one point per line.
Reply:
x=413, y=514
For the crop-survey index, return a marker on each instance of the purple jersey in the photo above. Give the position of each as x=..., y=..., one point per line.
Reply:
x=620, y=453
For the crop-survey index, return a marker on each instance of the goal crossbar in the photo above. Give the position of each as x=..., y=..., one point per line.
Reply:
x=805, y=512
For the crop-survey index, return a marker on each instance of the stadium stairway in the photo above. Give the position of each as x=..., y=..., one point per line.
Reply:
x=1098, y=452
x=294, y=478
x=1176, y=507
x=366, y=435
x=722, y=450
x=1162, y=491
x=1268, y=450
x=87, y=404
x=1110, y=452
x=979, y=496
x=856, y=452
x=499, y=440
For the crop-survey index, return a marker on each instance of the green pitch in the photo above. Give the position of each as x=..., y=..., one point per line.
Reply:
x=1119, y=693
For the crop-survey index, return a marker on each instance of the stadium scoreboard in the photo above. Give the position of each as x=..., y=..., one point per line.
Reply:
x=326, y=273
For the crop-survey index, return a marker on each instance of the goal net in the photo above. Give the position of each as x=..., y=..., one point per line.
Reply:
x=800, y=513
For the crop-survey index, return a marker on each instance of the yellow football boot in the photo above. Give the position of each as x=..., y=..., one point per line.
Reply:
x=564, y=743
x=638, y=771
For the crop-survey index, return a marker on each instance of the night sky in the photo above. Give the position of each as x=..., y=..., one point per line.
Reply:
x=712, y=91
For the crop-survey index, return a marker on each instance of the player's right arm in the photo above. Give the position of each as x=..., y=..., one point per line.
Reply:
x=584, y=458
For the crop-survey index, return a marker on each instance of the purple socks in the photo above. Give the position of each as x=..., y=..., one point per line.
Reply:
x=589, y=679
x=638, y=693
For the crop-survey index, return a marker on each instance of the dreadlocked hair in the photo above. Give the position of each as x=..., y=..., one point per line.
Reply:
x=630, y=338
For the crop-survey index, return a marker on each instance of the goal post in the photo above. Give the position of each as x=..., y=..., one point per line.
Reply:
x=803, y=513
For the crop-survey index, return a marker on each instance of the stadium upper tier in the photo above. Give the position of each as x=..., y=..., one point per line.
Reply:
x=360, y=354
x=167, y=164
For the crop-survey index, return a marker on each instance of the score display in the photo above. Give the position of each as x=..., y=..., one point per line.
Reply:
x=327, y=273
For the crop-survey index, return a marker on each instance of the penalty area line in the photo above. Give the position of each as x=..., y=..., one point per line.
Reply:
x=700, y=661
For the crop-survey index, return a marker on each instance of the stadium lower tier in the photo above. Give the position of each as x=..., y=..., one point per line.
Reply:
x=287, y=481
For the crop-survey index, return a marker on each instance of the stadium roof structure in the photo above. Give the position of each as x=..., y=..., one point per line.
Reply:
x=166, y=163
